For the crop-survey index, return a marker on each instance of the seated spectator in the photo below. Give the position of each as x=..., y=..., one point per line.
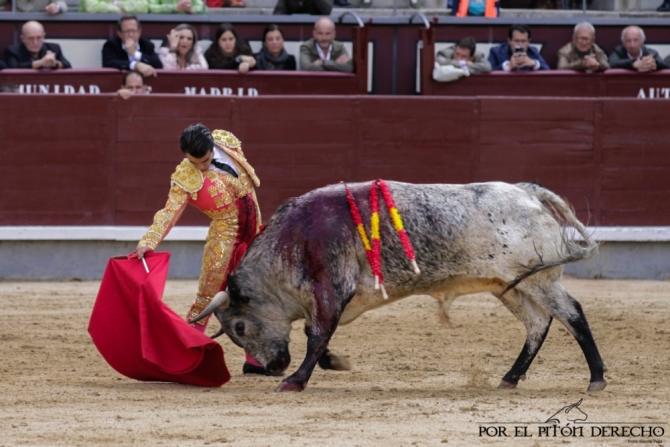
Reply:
x=323, y=52
x=133, y=84
x=9, y=88
x=182, y=52
x=114, y=6
x=517, y=54
x=176, y=6
x=313, y=7
x=51, y=7
x=486, y=8
x=229, y=52
x=273, y=56
x=633, y=55
x=582, y=54
x=33, y=52
x=129, y=50
x=464, y=55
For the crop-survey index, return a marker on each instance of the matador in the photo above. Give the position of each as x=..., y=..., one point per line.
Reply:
x=216, y=178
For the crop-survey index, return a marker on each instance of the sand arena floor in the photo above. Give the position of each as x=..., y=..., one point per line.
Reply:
x=413, y=382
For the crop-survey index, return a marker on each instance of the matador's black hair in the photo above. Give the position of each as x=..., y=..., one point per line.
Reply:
x=196, y=140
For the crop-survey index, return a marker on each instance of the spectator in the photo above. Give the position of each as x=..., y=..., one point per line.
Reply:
x=665, y=7
x=114, y=6
x=182, y=51
x=633, y=55
x=517, y=54
x=323, y=52
x=2, y=65
x=313, y=7
x=273, y=56
x=464, y=55
x=229, y=52
x=129, y=50
x=51, y=7
x=33, y=52
x=582, y=54
x=133, y=84
x=9, y=88
x=486, y=8
x=175, y=6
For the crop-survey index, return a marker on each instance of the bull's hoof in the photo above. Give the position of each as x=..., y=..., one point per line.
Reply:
x=505, y=385
x=290, y=386
x=334, y=362
x=597, y=386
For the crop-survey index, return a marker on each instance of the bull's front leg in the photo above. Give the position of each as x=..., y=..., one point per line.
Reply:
x=326, y=313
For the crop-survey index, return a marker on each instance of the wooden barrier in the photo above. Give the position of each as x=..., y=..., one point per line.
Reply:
x=107, y=161
x=611, y=83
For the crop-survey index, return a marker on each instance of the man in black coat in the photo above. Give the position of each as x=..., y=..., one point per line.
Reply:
x=130, y=51
x=633, y=54
x=33, y=52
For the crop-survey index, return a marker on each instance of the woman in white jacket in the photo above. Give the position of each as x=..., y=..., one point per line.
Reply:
x=182, y=51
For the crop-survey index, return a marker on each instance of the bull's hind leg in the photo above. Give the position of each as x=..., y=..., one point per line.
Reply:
x=330, y=360
x=568, y=311
x=537, y=322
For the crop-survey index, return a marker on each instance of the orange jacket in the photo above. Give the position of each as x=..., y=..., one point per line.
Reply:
x=489, y=12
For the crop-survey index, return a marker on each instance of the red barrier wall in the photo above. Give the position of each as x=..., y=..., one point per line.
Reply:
x=108, y=161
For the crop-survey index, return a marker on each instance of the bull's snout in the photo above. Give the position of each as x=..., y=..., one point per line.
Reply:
x=279, y=364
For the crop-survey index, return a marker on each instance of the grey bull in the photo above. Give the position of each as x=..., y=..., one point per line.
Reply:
x=309, y=263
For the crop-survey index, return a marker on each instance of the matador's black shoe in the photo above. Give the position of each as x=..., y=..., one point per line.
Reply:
x=248, y=368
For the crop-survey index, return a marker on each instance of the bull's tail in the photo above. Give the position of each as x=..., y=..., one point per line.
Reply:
x=573, y=249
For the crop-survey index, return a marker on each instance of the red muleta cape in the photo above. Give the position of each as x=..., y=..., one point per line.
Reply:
x=141, y=337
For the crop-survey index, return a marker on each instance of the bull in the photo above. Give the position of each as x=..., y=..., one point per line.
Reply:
x=309, y=263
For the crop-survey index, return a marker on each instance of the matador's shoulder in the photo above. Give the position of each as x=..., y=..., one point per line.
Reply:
x=227, y=139
x=187, y=177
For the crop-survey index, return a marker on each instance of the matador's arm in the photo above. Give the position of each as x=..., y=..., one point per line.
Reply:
x=166, y=218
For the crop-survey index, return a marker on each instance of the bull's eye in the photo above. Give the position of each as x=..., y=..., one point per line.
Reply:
x=239, y=328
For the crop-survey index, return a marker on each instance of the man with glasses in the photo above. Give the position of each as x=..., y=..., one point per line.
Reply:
x=129, y=51
x=517, y=54
x=33, y=52
x=582, y=54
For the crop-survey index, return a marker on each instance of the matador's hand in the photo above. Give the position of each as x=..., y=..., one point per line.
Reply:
x=142, y=250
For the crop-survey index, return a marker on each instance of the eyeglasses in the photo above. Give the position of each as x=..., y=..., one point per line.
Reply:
x=130, y=31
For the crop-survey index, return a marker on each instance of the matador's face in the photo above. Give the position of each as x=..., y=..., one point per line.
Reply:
x=201, y=163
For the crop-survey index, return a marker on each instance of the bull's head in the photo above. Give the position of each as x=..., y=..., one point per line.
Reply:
x=254, y=324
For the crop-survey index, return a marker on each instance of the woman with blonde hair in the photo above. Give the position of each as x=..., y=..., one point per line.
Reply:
x=182, y=51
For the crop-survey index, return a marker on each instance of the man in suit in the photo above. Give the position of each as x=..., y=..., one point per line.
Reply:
x=129, y=50
x=633, y=55
x=323, y=52
x=33, y=52
x=517, y=54
x=464, y=56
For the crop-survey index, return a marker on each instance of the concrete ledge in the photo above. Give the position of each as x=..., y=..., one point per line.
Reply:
x=68, y=252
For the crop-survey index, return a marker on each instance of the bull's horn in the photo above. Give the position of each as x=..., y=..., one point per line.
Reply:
x=220, y=300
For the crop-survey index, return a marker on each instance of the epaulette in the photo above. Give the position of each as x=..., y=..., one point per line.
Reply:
x=188, y=177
